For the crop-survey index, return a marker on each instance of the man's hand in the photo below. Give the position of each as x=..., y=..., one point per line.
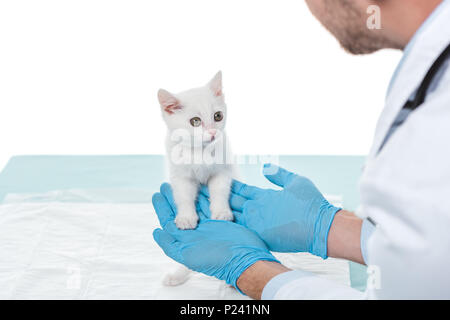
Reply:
x=294, y=219
x=221, y=249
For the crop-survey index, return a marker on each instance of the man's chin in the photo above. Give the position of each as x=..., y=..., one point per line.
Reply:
x=358, y=50
x=360, y=43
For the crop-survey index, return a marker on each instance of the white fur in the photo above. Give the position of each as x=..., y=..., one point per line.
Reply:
x=187, y=176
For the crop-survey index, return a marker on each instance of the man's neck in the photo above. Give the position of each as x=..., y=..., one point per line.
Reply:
x=402, y=19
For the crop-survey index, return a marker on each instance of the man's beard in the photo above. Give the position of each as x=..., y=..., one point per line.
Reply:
x=348, y=23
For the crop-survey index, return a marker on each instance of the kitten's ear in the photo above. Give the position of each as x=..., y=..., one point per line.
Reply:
x=169, y=103
x=216, y=84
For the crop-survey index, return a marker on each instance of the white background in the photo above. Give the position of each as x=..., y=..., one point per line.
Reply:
x=80, y=77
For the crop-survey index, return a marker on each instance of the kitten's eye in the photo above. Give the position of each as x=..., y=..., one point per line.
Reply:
x=196, y=122
x=218, y=116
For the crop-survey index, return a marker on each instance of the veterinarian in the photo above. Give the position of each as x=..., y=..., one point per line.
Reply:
x=401, y=229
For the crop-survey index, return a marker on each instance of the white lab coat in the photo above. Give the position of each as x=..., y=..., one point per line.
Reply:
x=405, y=188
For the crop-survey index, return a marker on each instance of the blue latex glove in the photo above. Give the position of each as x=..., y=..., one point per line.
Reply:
x=294, y=219
x=221, y=249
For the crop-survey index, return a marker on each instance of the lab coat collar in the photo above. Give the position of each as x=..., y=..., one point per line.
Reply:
x=424, y=48
x=409, y=46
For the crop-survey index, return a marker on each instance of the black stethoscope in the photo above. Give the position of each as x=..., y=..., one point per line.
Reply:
x=421, y=94
x=419, y=99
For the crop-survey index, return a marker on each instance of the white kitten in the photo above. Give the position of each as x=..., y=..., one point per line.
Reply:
x=198, y=153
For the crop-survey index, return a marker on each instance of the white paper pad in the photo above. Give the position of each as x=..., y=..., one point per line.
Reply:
x=68, y=250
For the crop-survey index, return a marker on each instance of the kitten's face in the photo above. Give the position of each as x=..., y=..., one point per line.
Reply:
x=200, y=111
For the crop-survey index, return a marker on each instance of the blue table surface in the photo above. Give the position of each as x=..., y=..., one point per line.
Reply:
x=337, y=175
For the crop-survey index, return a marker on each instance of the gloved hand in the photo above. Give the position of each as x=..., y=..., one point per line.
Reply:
x=294, y=219
x=221, y=249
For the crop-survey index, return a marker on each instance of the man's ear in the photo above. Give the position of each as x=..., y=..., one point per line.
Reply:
x=216, y=85
x=169, y=103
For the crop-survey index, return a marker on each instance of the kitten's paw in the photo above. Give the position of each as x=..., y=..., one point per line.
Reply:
x=222, y=214
x=173, y=279
x=186, y=222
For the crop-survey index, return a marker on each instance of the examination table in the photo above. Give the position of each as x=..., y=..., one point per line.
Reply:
x=80, y=227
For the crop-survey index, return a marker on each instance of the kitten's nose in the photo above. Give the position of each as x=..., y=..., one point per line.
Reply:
x=212, y=132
